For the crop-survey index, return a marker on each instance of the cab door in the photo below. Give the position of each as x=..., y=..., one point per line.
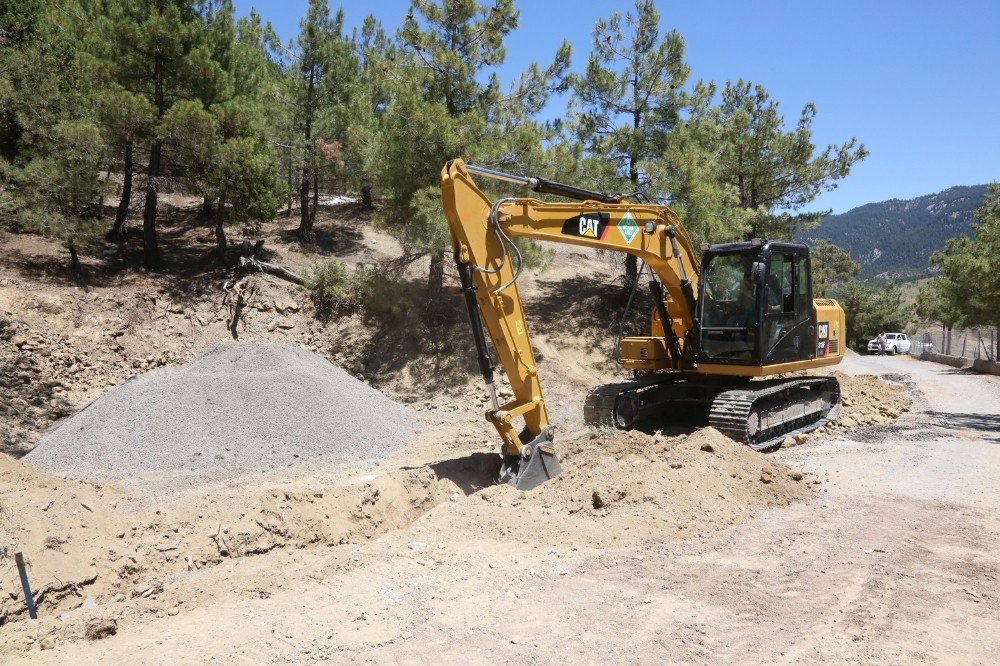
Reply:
x=789, y=322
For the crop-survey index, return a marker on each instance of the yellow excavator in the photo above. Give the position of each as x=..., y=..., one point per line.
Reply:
x=723, y=328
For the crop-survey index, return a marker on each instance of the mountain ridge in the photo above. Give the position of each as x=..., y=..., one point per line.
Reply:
x=894, y=239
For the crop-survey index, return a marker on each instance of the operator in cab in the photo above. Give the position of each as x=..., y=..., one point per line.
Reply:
x=744, y=310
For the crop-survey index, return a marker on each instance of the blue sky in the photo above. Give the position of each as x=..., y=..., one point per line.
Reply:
x=918, y=82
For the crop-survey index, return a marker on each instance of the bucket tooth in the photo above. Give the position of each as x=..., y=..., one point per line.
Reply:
x=537, y=463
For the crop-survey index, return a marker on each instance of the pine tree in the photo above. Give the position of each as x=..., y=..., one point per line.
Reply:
x=628, y=100
x=446, y=102
x=971, y=282
x=322, y=77
x=241, y=170
x=869, y=309
x=941, y=300
x=376, y=54
x=831, y=265
x=773, y=170
x=687, y=171
x=157, y=50
x=51, y=146
x=125, y=119
x=186, y=85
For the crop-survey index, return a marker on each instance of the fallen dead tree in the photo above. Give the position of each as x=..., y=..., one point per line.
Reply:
x=252, y=263
x=239, y=294
x=251, y=259
x=242, y=288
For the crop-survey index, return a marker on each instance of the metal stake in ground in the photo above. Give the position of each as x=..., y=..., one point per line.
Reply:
x=19, y=559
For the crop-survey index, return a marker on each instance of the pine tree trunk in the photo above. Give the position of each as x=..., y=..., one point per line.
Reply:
x=304, y=222
x=291, y=184
x=74, y=259
x=435, y=287
x=631, y=261
x=366, y=198
x=220, y=233
x=948, y=343
x=306, y=219
x=208, y=207
x=150, y=244
x=631, y=272
x=315, y=202
x=121, y=215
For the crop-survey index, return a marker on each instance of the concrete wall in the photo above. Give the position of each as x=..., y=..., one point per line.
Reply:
x=954, y=361
x=986, y=367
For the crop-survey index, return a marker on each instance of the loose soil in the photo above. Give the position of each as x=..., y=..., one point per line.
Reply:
x=872, y=540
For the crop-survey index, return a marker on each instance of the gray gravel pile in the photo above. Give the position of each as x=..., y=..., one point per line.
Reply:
x=239, y=408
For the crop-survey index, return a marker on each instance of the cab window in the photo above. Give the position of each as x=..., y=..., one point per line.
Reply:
x=803, y=280
x=780, y=297
x=789, y=321
x=728, y=308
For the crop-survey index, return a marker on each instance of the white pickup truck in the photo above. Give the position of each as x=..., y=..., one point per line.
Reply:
x=895, y=343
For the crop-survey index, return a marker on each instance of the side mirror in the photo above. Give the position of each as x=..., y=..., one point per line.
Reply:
x=758, y=273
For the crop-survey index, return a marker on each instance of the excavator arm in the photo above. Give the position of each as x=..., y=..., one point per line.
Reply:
x=488, y=262
x=729, y=352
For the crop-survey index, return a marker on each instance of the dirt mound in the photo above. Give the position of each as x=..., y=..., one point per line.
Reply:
x=238, y=408
x=63, y=527
x=97, y=545
x=620, y=488
x=869, y=400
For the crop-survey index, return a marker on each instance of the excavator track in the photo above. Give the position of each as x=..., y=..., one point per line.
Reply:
x=604, y=404
x=764, y=414
x=760, y=414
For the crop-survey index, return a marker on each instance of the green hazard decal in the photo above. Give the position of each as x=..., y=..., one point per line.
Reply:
x=628, y=227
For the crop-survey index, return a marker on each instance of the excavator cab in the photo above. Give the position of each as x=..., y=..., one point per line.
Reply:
x=755, y=304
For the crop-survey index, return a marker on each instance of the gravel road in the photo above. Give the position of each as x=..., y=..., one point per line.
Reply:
x=947, y=449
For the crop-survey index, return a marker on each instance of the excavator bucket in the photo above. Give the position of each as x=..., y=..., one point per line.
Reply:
x=537, y=464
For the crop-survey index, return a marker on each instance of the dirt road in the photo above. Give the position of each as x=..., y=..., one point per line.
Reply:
x=897, y=559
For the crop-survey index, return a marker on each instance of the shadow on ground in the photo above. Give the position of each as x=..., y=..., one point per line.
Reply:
x=987, y=424
x=582, y=303
x=338, y=236
x=436, y=350
x=677, y=420
x=470, y=473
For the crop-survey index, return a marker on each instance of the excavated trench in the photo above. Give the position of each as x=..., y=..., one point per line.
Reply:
x=92, y=547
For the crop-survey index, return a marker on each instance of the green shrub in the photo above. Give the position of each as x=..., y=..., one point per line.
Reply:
x=535, y=255
x=379, y=294
x=329, y=286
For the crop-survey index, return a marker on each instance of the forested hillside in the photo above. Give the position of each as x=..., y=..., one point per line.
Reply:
x=107, y=107
x=895, y=238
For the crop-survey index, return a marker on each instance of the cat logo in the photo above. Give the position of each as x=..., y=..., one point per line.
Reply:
x=588, y=225
x=822, y=339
